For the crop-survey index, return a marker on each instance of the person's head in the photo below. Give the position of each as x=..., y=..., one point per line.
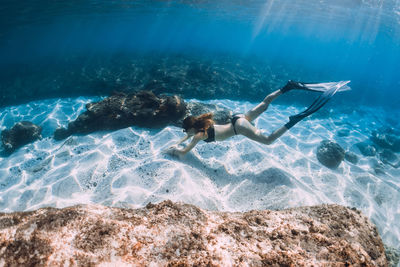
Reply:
x=192, y=125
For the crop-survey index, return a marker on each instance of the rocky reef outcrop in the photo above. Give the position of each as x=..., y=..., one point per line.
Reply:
x=330, y=154
x=387, y=138
x=201, y=77
x=366, y=149
x=20, y=134
x=174, y=234
x=221, y=115
x=383, y=148
x=351, y=157
x=122, y=110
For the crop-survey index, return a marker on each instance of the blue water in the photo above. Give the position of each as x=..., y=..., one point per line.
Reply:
x=326, y=40
x=53, y=49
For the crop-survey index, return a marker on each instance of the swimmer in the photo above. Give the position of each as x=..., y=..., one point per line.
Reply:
x=203, y=128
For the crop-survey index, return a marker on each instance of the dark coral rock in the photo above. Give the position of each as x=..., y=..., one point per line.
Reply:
x=119, y=111
x=379, y=170
x=343, y=132
x=61, y=133
x=202, y=76
x=220, y=115
x=387, y=139
x=20, y=134
x=366, y=149
x=388, y=157
x=392, y=255
x=351, y=157
x=330, y=154
x=377, y=166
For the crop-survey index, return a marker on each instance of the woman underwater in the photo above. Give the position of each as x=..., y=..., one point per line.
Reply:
x=203, y=128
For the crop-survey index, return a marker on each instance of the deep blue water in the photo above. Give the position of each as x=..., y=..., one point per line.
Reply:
x=324, y=40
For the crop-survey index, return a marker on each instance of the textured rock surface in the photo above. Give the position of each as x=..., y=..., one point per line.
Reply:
x=20, y=134
x=181, y=235
x=351, y=157
x=366, y=149
x=330, y=154
x=392, y=255
x=387, y=138
x=123, y=110
x=388, y=157
x=220, y=115
x=200, y=77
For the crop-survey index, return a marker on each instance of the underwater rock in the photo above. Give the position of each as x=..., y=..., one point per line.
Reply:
x=387, y=139
x=366, y=149
x=176, y=234
x=392, y=255
x=20, y=134
x=388, y=157
x=202, y=72
x=351, y=157
x=220, y=115
x=343, y=132
x=378, y=166
x=205, y=76
x=330, y=154
x=143, y=109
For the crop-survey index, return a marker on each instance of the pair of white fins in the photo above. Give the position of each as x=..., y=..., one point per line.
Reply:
x=318, y=87
x=323, y=87
x=327, y=90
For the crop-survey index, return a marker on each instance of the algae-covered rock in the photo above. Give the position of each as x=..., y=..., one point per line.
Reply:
x=172, y=234
x=330, y=154
x=20, y=134
x=119, y=111
x=351, y=157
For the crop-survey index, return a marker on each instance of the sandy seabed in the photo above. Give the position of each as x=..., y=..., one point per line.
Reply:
x=128, y=168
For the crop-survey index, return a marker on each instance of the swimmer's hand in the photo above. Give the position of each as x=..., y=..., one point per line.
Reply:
x=173, y=151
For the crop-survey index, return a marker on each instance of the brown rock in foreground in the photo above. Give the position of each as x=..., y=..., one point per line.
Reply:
x=180, y=235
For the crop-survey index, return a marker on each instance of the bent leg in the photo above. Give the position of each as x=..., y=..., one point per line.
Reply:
x=260, y=108
x=245, y=128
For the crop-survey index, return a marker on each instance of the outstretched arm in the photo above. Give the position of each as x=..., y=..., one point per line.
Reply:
x=183, y=140
x=180, y=152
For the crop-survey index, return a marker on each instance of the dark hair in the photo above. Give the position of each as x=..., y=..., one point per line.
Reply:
x=200, y=123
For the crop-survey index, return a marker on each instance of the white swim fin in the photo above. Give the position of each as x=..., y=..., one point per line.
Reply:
x=316, y=87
